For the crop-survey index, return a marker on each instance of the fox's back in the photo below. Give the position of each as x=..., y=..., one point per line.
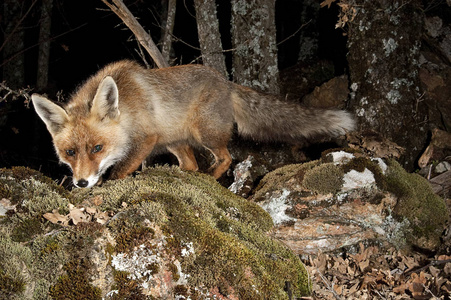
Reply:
x=167, y=101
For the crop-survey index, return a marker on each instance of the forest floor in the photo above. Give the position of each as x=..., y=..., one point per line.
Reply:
x=374, y=273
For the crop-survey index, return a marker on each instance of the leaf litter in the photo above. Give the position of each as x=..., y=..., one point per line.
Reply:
x=372, y=274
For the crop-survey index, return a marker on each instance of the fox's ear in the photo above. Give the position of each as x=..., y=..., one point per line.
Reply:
x=54, y=116
x=106, y=100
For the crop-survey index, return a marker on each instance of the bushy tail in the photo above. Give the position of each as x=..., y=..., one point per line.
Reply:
x=265, y=117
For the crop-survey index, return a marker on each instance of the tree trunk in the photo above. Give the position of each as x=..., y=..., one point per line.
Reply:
x=209, y=36
x=166, y=47
x=254, y=42
x=14, y=68
x=44, y=45
x=384, y=49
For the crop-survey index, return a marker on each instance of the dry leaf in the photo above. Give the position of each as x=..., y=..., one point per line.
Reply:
x=97, y=200
x=91, y=210
x=77, y=215
x=6, y=204
x=417, y=283
x=56, y=218
x=101, y=217
x=327, y=2
x=338, y=289
x=447, y=268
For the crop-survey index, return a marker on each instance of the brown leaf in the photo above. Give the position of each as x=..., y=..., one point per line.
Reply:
x=338, y=289
x=434, y=271
x=77, y=215
x=416, y=284
x=101, y=217
x=91, y=210
x=97, y=200
x=401, y=288
x=447, y=268
x=327, y=2
x=56, y=218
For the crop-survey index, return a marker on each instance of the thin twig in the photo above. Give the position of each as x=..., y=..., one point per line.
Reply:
x=6, y=40
x=328, y=285
x=296, y=32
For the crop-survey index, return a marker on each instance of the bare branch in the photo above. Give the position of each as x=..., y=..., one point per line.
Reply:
x=119, y=8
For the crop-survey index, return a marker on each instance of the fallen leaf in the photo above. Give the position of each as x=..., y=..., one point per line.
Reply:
x=97, y=200
x=447, y=268
x=327, y=3
x=91, y=210
x=56, y=218
x=77, y=215
x=101, y=217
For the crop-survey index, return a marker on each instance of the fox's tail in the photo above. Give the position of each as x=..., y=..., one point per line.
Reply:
x=265, y=117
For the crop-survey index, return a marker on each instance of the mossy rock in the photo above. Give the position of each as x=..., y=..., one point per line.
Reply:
x=231, y=252
x=425, y=211
x=422, y=213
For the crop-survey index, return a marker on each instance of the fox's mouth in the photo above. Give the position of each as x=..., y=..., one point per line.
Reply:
x=88, y=182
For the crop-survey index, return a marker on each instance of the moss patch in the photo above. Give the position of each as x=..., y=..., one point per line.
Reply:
x=324, y=179
x=74, y=284
x=425, y=211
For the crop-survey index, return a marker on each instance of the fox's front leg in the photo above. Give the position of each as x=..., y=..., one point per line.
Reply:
x=185, y=156
x=134, y=159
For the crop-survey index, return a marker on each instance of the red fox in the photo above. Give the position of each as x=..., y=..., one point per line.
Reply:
x=117, y=117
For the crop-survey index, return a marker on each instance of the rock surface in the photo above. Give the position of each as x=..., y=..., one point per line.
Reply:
x=344, y=199
x=164, y=234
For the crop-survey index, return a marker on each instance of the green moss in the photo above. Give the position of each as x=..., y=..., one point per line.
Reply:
x=9, y=285
x=425, y=211
x=130, y=237
x=181, y=290
x=324, y=179
x=51, y=247
x=15, y=260
x=19, y=174
x=26, y=229
x=174, y=271
x=127, y=288
x=74, y=284
x=282, y=175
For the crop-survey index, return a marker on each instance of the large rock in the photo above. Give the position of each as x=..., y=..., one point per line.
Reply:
x=164, y=234
x=344, y=199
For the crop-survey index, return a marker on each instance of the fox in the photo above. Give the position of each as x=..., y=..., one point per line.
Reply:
x=119, y=115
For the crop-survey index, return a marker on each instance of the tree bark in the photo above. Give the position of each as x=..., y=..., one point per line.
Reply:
x=13, y=44
x=209, y=36
x=44, y=44
x=168, y=29
x=384, y=50
x=119, y=8
x=254, y=42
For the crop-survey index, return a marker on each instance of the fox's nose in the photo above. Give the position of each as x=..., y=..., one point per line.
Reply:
x=82, y=183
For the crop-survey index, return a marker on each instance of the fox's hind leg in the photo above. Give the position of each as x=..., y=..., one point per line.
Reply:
x=185, y=156
x=222, y=161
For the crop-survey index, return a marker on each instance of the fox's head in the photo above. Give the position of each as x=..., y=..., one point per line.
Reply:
x=86, y=134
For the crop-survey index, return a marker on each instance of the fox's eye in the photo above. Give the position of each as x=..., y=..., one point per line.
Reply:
x=97, y=148
x=70, y=152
